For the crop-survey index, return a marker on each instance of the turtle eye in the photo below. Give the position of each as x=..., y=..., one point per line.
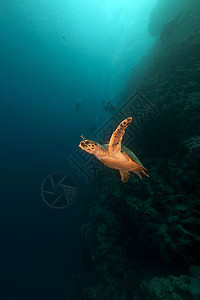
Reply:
x=82, y=143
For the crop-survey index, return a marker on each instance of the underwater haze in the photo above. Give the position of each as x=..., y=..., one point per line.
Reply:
x=53, y=53
x=61, y=51
x=70, y=227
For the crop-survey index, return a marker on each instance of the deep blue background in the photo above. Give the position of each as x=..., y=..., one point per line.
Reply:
x=53, y=53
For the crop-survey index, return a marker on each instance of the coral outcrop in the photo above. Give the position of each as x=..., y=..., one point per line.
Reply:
x=168, y=9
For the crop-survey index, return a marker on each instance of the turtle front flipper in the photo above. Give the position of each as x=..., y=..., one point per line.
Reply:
x=124, y=175
x=114, y=145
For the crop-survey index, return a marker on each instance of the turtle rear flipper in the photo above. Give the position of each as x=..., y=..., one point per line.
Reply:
x=124, y=175
x=139, y=170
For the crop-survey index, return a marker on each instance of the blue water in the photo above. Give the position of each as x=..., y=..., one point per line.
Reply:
x=54, y=52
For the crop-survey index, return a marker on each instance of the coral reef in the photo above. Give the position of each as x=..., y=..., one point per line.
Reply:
x=143, y=238
x=173, y=287
x=167, y=9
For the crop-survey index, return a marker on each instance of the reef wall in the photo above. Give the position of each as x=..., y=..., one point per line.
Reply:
x=167, y=9
x=143, y=237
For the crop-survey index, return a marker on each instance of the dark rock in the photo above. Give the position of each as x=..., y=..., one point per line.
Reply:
x=142, y=237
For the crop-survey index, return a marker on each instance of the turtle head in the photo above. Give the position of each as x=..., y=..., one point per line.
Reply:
x=88, y=146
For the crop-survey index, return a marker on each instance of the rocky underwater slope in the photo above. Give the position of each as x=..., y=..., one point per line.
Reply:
x=143, y=238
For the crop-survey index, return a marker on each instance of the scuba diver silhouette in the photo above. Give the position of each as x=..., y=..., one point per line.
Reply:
x=109, y=106
x=78, y=104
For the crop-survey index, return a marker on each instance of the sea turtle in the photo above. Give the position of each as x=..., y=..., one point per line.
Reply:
x=114, y=155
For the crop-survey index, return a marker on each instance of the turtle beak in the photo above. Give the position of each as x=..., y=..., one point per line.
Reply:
x=88, y=146
x=82, y=145
x=85, y=145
